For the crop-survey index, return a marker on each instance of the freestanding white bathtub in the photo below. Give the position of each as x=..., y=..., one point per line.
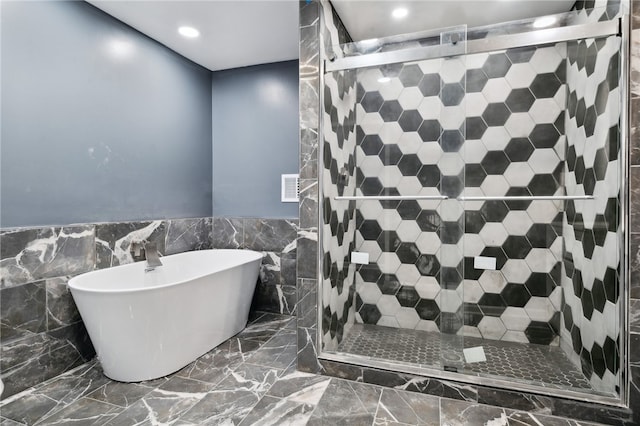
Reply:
x=145, y=325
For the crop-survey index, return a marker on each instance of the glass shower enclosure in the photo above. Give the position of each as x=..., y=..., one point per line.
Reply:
x=472, y=205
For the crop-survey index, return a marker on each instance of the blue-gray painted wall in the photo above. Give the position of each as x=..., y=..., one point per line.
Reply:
x=99, y=122
x=255, y=139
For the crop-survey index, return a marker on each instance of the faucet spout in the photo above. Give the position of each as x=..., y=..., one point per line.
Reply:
x=151, y=254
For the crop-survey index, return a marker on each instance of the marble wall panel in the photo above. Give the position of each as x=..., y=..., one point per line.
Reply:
x=61, y=309
x=28, y=255
x=22, y=310
x=113, y=241
x=276, y=239
x=188, y=235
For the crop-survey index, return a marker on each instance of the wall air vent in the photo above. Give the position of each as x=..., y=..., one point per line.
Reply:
x=290, y=188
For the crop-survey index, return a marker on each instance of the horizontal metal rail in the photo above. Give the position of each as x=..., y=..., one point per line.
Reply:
x=489, y=44
x=391, y=197
x=464, y=198
x=526, y=198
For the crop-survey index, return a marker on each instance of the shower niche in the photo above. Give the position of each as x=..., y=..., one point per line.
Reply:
x=472, y=198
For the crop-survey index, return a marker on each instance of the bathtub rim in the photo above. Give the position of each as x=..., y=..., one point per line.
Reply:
x=73, y=286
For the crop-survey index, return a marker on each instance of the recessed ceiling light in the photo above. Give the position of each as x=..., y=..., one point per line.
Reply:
x=545, y=21
x=189, y=32
x=399, y=12
x=384, y=80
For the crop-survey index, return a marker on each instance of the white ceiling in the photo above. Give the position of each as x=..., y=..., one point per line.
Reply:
x=367, y=19
x=238, y=33
x=233, y=33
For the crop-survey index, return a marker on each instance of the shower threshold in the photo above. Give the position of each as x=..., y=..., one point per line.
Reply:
x=531, y=364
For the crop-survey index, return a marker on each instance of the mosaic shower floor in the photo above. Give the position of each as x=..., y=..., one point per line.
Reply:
x=537, y=364
x=251, y=379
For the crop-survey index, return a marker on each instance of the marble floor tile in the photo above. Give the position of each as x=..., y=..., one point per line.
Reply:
x=9, y=422
x=461, y=413
x=246, y=381
x=164, y=404
x=218, y=363
x=278, y=352
x=407, y=407
x=276, y=411
x=300, y=387
x=85, y=411
x=361, y=409
x=120, y=394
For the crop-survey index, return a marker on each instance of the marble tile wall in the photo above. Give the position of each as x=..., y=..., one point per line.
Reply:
x=276, y=238
x=307, y=263
x=42, y=334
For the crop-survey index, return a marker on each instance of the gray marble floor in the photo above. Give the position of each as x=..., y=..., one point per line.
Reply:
x=249, y=380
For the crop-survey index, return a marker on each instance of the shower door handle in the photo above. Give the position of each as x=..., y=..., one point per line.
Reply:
x=391, y=197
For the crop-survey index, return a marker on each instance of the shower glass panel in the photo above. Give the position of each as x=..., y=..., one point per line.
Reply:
x=472, y=208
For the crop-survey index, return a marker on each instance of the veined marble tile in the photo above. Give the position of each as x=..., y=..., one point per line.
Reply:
x=308, y=203
x=188, y=234
x=288, y=269
x=279, y=352
x=164, y=404
x=221, y=407
x=218, y=363
x=308, y=154
x=307, y=354
x=361, y=407
x=276, y=411
x=9, y=422
x=307, y=250
x=120, y=394
x=460, y=413
x=270, y=268
x=269, y=234
x=228, y=233
x=49, y=361
x=85, y=411
x=51, y=396
x=634, y=316
x=29, y=255
x=29, y=408
x=275, y=298
x=234, y=397
x=61, y=309
x=113, y=241
x=407, y=407
x=22, y=310
x=519, y=418
x=265, y=327
x=300, y=387
x=253, y=378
